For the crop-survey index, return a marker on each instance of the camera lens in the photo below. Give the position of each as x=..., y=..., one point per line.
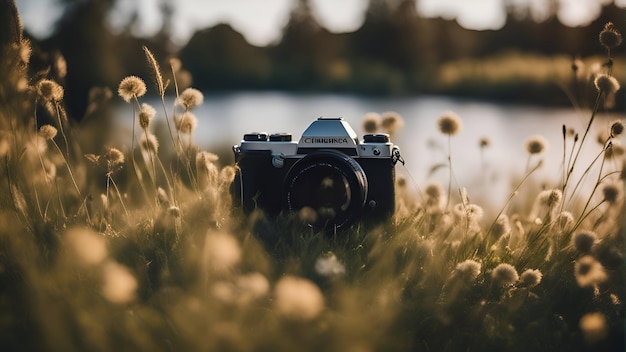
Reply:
x=331, y=183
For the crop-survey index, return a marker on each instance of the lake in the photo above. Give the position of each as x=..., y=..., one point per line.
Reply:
x=224, y=118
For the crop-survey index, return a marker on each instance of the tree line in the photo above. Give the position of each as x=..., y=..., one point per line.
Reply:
x=395, y=51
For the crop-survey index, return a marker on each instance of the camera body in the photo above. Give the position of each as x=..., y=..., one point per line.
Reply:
x=330, y=176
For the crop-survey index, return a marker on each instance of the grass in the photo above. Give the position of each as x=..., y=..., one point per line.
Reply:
x=116, y=248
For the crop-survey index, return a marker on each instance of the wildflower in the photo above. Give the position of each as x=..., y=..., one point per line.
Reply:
x=593, y=326
x=531, y=278
x=550, y=198
x=297, y=298
x=535, y=144
x=329, y=265
x=186, y=123
x=469, y=269
x=50, y=90
x=205, y=160
x=472, y=212
x=484, y=142
x=502, y=226
x=617, y=127
x=589, y=272
x=504, y=274
x=584, y=240
x=114, y=158
x=435, y=195
x=119, y=284
x=190, y=98
x=609, y=37
x=612, y=192
x=449, y=123
x=146, y=114
x=131, y=87
x=606, y=84
x=149, y=143
x=221, y=252
x=371, y=122
x=251, y=287
x=88, y=246
x=307, y=215
x=391, y=122
x=48, y=132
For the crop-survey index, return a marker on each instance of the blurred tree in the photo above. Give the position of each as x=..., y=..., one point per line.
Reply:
x=219, y=58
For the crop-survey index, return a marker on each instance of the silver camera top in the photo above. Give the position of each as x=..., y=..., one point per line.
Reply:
x=323, y=133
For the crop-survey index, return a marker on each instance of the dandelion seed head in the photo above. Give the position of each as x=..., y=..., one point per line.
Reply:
x=119, y=285
x=536, y=144
x=612, y=192
x=610, y=37
x=307, y=215
x=175, y=64
x=484, y=142
x=589, y=272
x=251, y=287
x=606, y=84
x=469, y=269
x=146, y=114
x=502, y=226
x=449, y=123
x=88, y=247
x=190, y=98
x=328, y=265
x=371, y=122
x=149, y=143
x=47, y=132
x=221, y=252
x=434, y=190
x=617, y=127
x=550, y=197
x=297, y=298
x=114, y=157
x=186, y=123
x=504, y=274
x=594, y=327
x=131, y=87
x=584, y=241
x=50, y=90
x=391, y=122
x=531, y=278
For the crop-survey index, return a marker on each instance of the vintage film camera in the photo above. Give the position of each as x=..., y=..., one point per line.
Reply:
x=329, y=175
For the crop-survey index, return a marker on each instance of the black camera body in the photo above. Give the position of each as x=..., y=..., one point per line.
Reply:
x=330, y=176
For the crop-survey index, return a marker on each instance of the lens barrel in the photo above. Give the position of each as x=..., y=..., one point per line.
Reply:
x=329, y=182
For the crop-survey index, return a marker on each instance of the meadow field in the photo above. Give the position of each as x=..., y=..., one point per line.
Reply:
x=139, y=247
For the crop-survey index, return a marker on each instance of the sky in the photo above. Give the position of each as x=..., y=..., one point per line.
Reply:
x=262, y=21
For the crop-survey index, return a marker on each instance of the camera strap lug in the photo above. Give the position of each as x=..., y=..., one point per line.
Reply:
x=396, y=156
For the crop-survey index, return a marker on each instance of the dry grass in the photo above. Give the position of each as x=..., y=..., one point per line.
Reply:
x=139, y=249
